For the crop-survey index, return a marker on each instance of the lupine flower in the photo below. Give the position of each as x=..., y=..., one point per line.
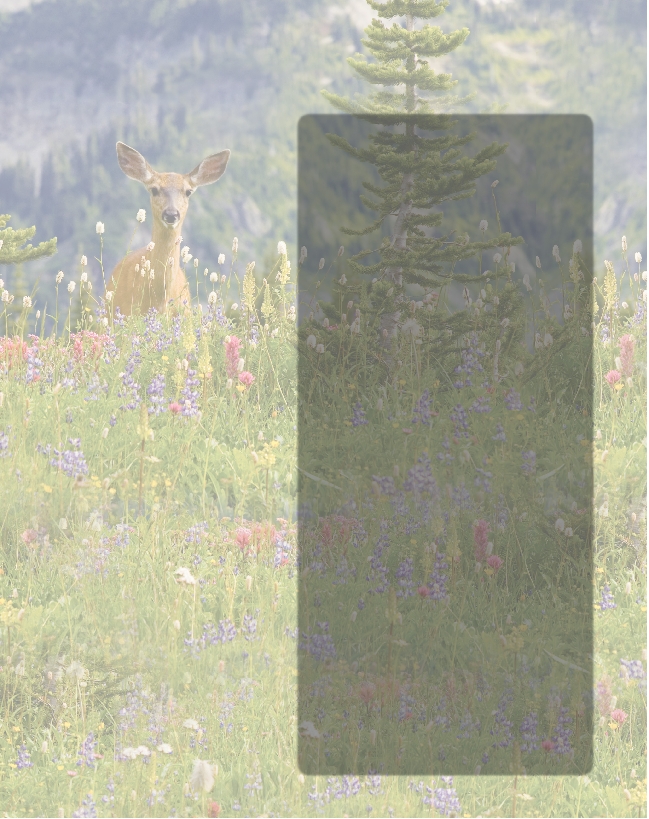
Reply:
x=529, y=462
x=608, y=601
x=358, y=418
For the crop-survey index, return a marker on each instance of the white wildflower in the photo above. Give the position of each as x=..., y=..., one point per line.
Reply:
x=342, y=280
x=235, y=245
x=99, y=227
x=320, y=348
x=559, y=525
x=212, y=299
x=484, y=225
x=638, y=257
x=109, y=295
x=195, y=262
x=497, y=258
x=341, y=250
x=71, y=287
x=303, y=254
x=84, y=261
x=538, y=262
x=308, y=729
x=84, y=277
x=235, y=306
x=191, y=724
x=202, y=778
x=494, y=183
x=411, y=328
x=185, y=576
x=547, y=340
x=165, y=748
x=59, y=276
x=519, y=369
x=526, y=281
x=555, y=253
x=129, y=753
x=141, y=215
x=577, y=246
x=311, y=341
x=221, y=259
x=281, y=248
x=624, y=245
x=27, y=302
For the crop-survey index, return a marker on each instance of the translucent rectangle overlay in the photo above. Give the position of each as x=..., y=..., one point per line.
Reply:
x=444, y=446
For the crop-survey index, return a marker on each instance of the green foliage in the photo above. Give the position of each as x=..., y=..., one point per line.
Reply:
x=12, y=241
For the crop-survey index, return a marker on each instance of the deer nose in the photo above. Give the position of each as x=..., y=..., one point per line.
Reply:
x=170, y=215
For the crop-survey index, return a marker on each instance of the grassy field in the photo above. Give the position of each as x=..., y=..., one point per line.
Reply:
x=149, y=568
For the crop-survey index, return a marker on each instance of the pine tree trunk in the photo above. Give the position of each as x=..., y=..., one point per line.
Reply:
x=390, y=321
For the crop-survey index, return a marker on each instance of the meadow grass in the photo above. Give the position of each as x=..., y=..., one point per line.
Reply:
x=149, y=574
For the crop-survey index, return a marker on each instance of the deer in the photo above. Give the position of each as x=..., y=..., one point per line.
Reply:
x=152, y=276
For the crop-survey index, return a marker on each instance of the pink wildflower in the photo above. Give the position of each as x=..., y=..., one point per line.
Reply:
x=175, y=407
x=480, y=529
x=28, y=535
x=495, y=562
x=627, y=347
x=613, y=376
x=232, y=356
x=246, y=378
x=243, y=537
x=423, y=591
x=547, y=745
x=619, y=716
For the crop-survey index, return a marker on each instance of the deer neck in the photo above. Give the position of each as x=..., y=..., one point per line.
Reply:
x=166, y=246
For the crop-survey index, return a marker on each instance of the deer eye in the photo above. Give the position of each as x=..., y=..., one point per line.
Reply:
x=155, y=191
x=188, y=192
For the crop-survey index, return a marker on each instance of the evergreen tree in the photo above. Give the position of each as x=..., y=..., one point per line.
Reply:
x=421, y=172
x=11, y=241
x=13, y=252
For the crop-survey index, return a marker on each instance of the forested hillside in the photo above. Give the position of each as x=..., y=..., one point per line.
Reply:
x=182, y=80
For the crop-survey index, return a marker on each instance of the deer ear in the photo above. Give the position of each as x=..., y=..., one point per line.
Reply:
x=133, y=163
x=210, y=169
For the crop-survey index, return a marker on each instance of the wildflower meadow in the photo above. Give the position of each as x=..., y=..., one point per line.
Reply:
x=150, y=578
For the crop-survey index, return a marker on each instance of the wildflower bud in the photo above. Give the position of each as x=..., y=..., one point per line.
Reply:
x=71, y=287
x=627, y=588
x=84, y=261
x=344, y=317
x=379, y=404
x=321, y=264
x=538, y=262
x=633, y=517
x=577, y=246
x=44, y=742
x=638, y=257
x=281, y=248
x=248, y=582
x=228, y=383
x=484, y=225
x=341, y=250
x=384, y=333
x=104, y=432
x=99, y=227
x=353, y=616
x=235, y=245
x=141, y=215
x=221, y=259
x=494, y=183
x=223, y=278
x=624, y=246
x=235, y=306
x=195, y=262
x=497, y=258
